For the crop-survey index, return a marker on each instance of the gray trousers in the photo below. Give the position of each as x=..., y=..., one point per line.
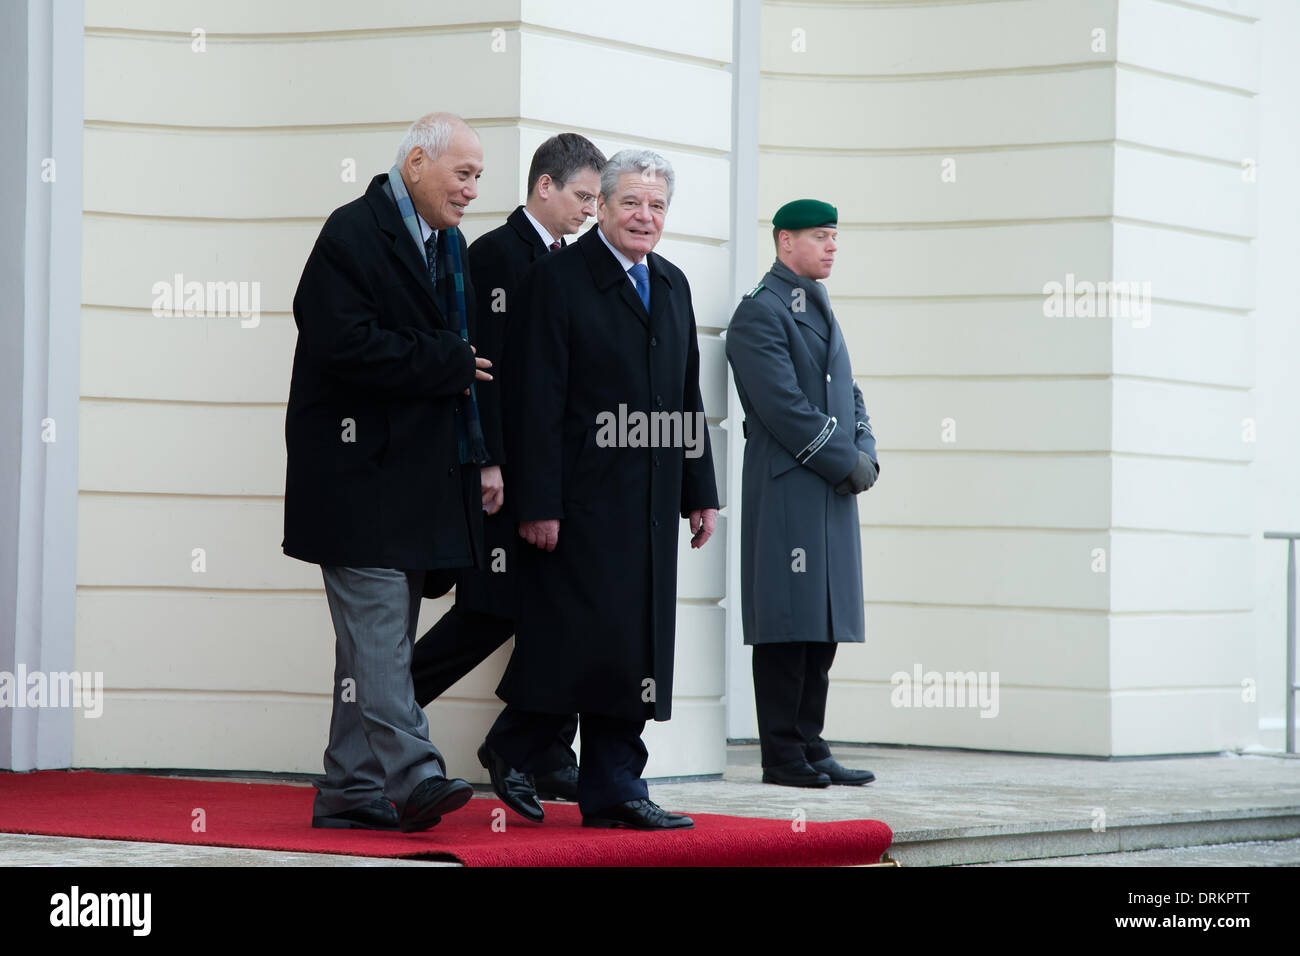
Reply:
x=379, y=738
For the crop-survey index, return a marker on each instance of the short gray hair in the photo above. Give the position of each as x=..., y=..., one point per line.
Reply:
x=643, y=162
x=431, y=133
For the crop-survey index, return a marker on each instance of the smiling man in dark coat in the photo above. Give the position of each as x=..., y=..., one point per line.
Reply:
x=809, y=450
x=608, y=450
x=563, y=182
x=383, y=461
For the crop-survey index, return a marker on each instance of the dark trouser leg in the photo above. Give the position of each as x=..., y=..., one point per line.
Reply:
x=778, y=694
x=613, y=758
x=560, y=752
x=818, y=658
x=613, y=755
x=460, y=641
x=523, y=737
x=379, y=738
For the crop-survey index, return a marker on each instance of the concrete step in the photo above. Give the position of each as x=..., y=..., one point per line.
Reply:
x=997, y=844
x=1255, y=854
x=952, y=808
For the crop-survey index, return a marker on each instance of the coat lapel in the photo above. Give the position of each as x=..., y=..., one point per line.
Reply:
x=837, y=342
x=527, y=234
x=390, y=222
x=782, y=281
x=660, y=285
x=608, y=273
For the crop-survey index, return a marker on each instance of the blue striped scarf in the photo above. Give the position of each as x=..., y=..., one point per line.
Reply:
x=450, y=290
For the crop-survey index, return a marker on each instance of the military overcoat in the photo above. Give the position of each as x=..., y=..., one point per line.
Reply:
x=805, y=421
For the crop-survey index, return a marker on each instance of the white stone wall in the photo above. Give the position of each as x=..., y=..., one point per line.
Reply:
x=976, y=152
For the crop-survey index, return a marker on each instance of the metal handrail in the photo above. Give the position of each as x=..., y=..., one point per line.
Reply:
x=1291, y=686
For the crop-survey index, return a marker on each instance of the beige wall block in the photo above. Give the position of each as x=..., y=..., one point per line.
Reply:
x=148, y=541
x=1185, y=720
x=207, y=731
x=1070, y=106
x=941, y=186
x=870, y=39
x=1027, y=719
x=1151, y=571
x=1000, y=568
x=158, y=80
x=257, y=17
x=1025, y=646
x=968, y=489
x=161, y=640
x=994, y=335
x=266, y=174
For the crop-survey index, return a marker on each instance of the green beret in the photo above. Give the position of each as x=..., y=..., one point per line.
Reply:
x=804, y=214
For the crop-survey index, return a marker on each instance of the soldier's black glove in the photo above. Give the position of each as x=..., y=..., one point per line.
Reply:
x=862, y=477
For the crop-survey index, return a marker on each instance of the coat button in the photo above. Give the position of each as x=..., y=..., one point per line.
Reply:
x=655, y=461
x=451, y=470
x=828, y=376
x=659, y=401
x=653, y=340
x=654, y=523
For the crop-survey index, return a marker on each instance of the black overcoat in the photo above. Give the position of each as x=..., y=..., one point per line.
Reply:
x=806, y=422
x=373, y=477
x=596, y=617
x=498, y=260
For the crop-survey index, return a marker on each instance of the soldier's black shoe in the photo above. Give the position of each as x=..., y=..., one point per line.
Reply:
x=798, y=773
x=514, y=787
x=378, y=814
x=561, y=784
x=838, y=774
x=640, y=814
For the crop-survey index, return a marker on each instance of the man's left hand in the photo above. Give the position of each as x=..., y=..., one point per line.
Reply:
x=493, y=488
x=702, y=525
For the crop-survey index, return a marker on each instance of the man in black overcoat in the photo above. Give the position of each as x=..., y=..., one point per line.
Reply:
x=383, y=445
x=563, y=183
x=608, y=451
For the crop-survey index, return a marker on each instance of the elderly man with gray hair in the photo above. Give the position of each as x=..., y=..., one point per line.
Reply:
x=384, y=448
x=603, y=329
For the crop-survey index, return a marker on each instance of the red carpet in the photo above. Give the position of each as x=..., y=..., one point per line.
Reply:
x=278, y=817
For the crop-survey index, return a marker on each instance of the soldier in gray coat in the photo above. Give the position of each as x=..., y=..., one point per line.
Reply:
x=809, y=452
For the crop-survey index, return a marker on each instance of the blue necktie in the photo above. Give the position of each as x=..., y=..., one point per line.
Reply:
x=641, y=279
x=431, y=255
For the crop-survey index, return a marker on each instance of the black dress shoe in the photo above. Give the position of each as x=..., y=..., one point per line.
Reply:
x=514, y=787
x=431, y=798
x=640, y=814
x=559, y=784
x=799, y=773
x=853, y=778
x=378, y=814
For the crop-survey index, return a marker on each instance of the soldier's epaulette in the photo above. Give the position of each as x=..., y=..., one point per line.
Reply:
x=754, y=291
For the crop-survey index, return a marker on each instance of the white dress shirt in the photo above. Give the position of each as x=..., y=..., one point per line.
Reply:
x=542, y=231
x=623, y=260
x=426, y=231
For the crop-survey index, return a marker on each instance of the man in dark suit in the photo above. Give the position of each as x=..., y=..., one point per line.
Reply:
x=384, y=448
x=809, y=450
x=563, y=182
x=608, y=450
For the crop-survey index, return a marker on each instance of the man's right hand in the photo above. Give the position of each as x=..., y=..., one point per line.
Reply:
x=541, y=534
x=481, y=364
